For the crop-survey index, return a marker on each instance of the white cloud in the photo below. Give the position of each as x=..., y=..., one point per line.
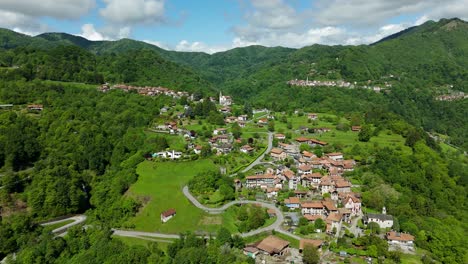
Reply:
x=367, y=13
x=160, y=44
x=89, y=32
x=133, y=12
x=446, y=9
x=197, y=46
x=63, y=9
x=21, y=23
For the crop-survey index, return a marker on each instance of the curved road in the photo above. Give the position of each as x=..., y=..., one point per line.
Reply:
x=258, y=160
x=77, y=219
x=275, y=226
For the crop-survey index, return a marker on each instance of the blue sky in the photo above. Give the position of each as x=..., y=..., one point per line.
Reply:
x=217, y=25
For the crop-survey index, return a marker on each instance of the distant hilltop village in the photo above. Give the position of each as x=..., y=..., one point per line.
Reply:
x=452, y=96
x=147, y=90
x=224, y=100
x=340, y=83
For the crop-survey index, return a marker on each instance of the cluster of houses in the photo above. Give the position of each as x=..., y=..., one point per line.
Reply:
x=339, y=83
x=275, y=246
x=452, y=96
x=35, y=107
x=332, y=183
x=147, y=90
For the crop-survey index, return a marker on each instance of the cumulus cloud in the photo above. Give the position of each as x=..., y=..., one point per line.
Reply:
x=63, y=9
x=160, y=44
x=21, y=23
x=367, y=13
x=133, y=12
x=197, y=46
x=446, y=9
x=88, y=31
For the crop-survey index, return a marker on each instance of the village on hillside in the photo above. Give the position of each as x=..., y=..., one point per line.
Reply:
x=289, y=168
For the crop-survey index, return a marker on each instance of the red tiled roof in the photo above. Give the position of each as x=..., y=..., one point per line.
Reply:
x=392, y=235
x=272, y=244
x=276, y=151
x=312, y=204
x=292, y=200
x=314, y=217
x=261, y=176
x=168, y=212
x=313, y=242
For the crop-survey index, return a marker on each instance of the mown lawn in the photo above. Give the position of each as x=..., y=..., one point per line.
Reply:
x=160, y=184
x=133, y=241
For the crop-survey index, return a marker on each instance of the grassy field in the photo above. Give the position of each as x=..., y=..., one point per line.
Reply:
x=175, y=142
x=160, y=184
x=160, y=187
x=133, y=241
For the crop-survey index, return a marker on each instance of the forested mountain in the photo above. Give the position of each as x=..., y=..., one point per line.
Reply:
x=79, y=154
x=419, y=63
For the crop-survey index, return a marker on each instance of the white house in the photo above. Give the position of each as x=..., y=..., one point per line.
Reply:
x=400, y=239
x=312, y=208
x=168, y=214
x=383, y=220
x=224, y=100
x=335, y=156
x=352, y=203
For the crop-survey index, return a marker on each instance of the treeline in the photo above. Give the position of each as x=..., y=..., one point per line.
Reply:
x=424, y=190
x=83, y=149
x=74, y=64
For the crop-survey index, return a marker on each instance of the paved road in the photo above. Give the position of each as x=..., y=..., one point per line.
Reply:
x=140, y=234
x=276, y=225
x=354, y=228
x=259, y=159
x=77, y=219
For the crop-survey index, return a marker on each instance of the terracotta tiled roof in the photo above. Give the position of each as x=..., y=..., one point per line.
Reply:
x=292, y=200
x=276, y=151
x=272, y=244
x=260, y=176
x=168, y=212
x=313, y=242
x=392, y=235
x=314, y=217
x=312, y=204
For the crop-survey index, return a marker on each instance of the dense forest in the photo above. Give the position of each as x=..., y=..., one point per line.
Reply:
x=80, y=153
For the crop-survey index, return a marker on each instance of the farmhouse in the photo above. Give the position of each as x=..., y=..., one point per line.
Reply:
x=292, y=202
x=263, y=181
x=280, y=136
x=317, y=243
x=312, y=208
x=272, y=246
x=278, y=154
x=383, y=220
x=35, y=107
x=168, y=214
x=399, y=239
x=224, y=100
x=335, y=156
x=246, y=149
x=312, y=116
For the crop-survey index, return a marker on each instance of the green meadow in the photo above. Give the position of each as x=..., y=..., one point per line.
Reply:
x=159, y=186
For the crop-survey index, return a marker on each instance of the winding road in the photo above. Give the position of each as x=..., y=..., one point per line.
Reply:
x=149, y=235
x=259, y=159
x=275, y=226
x=77, y=219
